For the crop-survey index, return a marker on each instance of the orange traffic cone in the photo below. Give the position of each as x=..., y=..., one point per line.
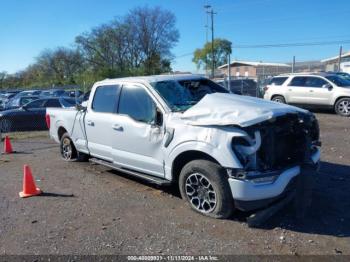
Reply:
x=29, y=187
x=7, y=146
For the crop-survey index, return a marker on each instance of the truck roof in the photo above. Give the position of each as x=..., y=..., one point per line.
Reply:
x=154, y=78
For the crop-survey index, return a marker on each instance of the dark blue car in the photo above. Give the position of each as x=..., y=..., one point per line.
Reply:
x=31, y=116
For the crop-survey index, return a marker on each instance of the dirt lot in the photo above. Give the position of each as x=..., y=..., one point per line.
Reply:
x=88, y=209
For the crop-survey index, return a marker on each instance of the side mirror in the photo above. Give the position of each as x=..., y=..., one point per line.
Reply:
x=81, y=107
x=328, y=86
x=158, y=118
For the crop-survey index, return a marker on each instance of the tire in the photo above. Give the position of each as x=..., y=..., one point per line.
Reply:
x=5, y=126
x=279, y=99
x=342, y=107
x=204, y=185
x=69, y=152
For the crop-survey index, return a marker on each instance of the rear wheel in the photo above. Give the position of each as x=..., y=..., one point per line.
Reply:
x=342, y=107
x=69, y=152
x=205, y=186
x=279, y=99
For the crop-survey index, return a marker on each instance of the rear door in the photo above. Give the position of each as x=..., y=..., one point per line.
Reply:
x=296, y=92
x=99, y=119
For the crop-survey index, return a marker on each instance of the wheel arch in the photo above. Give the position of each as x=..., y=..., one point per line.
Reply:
x=274, y=95
x=221, y=154
x=338, y=98
x=185, y=157
x=60, y=132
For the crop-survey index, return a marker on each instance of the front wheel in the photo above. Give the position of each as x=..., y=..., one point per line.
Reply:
x=205, y=186
x=342, y=107
x=279, y=99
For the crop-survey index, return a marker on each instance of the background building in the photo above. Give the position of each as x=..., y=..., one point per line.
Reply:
x=254, y=70
x=331, y=64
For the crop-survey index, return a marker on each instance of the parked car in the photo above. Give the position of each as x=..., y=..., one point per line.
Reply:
x=311, y=90
x=32, y=115
x=9, y=103
x=73, y=93
x=4, y=98
x=53, y=93
x=85, y=97
x=344, y=75
x=247, y=87
x=224, y=151
x=19, y=101
x=28, y=93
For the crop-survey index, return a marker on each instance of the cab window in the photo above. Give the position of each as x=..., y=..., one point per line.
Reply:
x=106, y=99
x=137, y=104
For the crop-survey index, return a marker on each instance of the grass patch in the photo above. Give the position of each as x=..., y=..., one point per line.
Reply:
x=26, y=135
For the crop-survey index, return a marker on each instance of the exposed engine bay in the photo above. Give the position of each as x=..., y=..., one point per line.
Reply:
x=277, y=143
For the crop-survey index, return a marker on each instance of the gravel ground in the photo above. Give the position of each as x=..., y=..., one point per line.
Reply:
x=88, y=209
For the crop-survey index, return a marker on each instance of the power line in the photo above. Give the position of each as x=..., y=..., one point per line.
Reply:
x=184, y=55
x=338, y=42
x=301, y=44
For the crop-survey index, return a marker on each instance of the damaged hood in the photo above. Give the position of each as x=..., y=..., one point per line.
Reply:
x=229, y=109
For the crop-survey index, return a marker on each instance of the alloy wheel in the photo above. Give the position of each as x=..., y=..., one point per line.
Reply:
x=67, y=149
x=200, y=193
x=344, y=107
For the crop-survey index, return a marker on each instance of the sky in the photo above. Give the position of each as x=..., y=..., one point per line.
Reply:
x=27, y=27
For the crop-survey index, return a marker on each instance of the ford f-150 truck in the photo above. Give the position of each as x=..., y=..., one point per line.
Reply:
x=224, y=151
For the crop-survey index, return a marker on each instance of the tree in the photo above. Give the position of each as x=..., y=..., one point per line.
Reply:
x=138, y=43
x=203, y=57
x=154, y=34
x=3, y=75
x=59, y=66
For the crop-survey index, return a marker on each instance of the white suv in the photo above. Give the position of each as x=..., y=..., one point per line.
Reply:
x=311, y=89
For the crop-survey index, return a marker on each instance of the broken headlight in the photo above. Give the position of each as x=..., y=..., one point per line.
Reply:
x=245, y=148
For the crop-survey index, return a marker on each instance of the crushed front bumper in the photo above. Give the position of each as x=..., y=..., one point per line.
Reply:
x=251, y=195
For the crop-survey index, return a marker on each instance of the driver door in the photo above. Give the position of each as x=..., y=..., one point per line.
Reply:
x=138, y=135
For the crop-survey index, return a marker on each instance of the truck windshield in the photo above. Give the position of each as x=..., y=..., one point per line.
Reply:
x=181, y=95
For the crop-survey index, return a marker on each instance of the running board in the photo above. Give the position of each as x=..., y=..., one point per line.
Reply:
x=149, y=178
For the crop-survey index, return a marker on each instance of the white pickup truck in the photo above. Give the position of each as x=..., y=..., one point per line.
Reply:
x=224, y=151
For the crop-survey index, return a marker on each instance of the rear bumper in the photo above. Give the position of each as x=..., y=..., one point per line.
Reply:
x=249, y=195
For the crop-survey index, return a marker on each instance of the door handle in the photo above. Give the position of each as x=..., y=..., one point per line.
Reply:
x=117, y=127
x=90, y=123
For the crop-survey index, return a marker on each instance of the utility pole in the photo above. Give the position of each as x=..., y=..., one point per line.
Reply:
x=212, y=44
x=339, y=60
x=229, y=72
x=207, y=7
x=211, y=13
x=293, y=64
